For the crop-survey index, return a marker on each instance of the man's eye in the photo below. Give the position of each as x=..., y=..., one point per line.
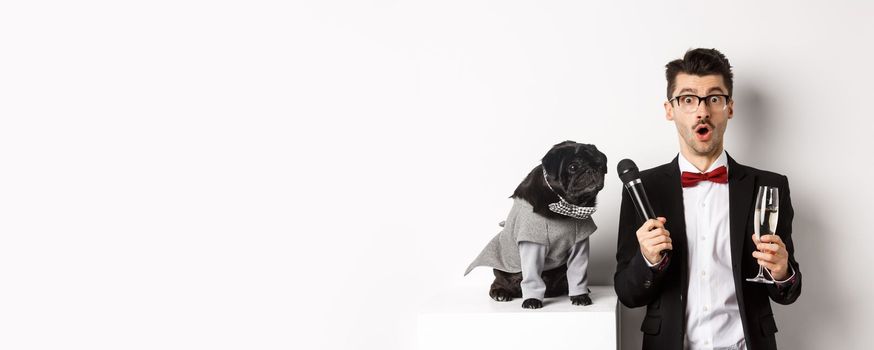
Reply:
x=714, y=99
x=687, y=100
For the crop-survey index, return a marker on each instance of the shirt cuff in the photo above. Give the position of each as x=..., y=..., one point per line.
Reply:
x=788, y=281
x=658, y=265
x=651, y=264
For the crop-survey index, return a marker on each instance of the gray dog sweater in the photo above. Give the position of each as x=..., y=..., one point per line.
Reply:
x=558, y=242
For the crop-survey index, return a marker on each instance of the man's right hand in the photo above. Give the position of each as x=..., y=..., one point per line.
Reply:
x=653, y=239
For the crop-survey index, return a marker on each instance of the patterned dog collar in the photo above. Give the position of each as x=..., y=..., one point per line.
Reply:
x=564, y=208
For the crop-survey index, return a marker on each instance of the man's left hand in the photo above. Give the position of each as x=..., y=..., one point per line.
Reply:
x=772, y=255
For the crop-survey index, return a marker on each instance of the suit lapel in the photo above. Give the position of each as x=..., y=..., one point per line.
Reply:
x=670, y=194
x=741, y=186
x=673, y=204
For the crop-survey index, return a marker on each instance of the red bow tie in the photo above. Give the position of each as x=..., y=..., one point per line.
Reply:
x=719, y=175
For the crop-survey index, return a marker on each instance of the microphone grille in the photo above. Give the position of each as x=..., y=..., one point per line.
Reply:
x=627, y=170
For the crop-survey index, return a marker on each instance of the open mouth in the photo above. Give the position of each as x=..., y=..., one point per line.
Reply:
x=703, y=132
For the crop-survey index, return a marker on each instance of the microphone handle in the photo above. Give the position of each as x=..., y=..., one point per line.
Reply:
x=641, y=203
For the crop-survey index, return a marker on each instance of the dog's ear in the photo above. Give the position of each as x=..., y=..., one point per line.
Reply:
x=533, y=190
x=552, y=163
x=603, y=158
x=599, y=157
x=565, y=143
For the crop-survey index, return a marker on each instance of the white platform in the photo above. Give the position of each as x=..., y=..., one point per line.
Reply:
x=466, y=318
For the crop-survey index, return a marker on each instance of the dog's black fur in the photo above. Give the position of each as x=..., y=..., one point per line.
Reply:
x=576, y=172
x=578, y=188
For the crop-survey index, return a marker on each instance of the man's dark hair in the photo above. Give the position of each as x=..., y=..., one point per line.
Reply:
x=699, y=62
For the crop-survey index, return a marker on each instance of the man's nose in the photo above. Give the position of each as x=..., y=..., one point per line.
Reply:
x=703, y=111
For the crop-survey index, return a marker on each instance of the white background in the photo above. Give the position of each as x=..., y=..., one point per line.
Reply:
x=273, y=175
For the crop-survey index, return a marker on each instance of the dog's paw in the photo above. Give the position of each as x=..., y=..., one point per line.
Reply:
x=500, y=295
x=532, y=304
x=582, y=299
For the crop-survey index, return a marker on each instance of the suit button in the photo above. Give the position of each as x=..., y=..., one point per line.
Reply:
x=647, y=284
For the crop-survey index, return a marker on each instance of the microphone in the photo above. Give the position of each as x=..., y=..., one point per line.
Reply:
x=630, y=177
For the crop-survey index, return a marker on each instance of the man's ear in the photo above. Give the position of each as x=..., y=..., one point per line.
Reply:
x=669, y=111
x=730, y=108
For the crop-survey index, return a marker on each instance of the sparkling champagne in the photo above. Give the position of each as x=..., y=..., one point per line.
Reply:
x=766, y=213
x=769, y=222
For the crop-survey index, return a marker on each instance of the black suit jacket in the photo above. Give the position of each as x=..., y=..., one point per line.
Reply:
x=664, y=292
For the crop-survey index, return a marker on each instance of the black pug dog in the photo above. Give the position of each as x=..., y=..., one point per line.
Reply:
x=544, y=243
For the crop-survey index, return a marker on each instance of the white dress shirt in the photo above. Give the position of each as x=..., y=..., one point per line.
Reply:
x=712, y=313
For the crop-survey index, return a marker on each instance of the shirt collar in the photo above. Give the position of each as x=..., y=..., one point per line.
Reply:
x=685, y=165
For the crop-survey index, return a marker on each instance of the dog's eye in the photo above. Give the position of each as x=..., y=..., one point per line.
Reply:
x=573, y=168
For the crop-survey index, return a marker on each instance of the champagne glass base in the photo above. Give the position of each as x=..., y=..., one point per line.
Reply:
x=760, y=279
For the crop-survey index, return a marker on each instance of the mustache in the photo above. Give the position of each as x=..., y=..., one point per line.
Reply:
x=702, y=122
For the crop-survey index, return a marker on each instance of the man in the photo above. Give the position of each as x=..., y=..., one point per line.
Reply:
x=697, y=296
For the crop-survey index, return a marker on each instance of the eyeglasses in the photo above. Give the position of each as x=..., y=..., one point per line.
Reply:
x=690, y=103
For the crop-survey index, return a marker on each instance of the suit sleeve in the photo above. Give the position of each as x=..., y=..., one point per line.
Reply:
x=635, y=282
x=786, y=293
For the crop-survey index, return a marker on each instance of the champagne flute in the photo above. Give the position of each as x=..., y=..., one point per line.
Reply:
x=767, y=210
